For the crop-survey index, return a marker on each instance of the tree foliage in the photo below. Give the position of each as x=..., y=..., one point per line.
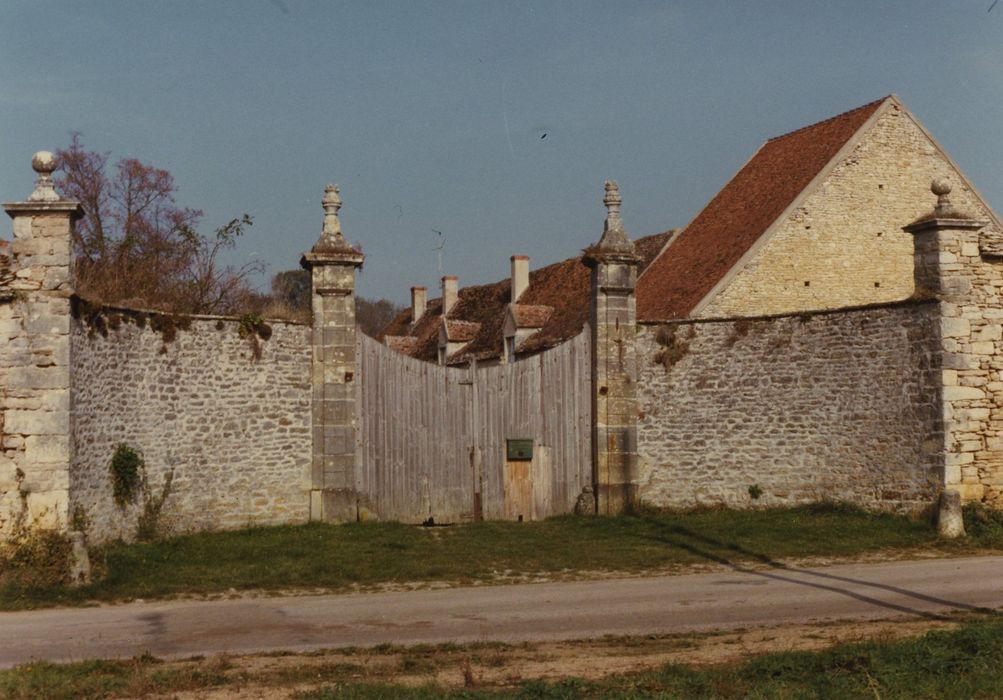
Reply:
x=373, y=315
x=292, y=287
x=135, y=245
x=291, y=290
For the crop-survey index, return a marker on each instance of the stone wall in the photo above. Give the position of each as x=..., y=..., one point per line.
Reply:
x=35, y=415
x=840, y=405
x=958, y=261
x=228, y=411
x=844, y=245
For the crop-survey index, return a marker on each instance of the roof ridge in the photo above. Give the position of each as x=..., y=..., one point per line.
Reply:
x=700, y=257
x=869, y=105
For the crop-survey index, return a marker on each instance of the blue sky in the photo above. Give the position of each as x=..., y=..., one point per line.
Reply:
x=433, y=115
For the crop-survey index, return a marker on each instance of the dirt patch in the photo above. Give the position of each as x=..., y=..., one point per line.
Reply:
x=491, y=665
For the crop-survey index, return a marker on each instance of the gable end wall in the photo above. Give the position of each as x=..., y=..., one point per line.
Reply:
x=847, y=236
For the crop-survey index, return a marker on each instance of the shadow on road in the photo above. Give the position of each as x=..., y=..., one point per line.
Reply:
x=677, y=536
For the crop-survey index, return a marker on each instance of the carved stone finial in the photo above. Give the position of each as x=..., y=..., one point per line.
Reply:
x=331, y=247
x=612, y=200
x=332, y=203
x=44, y=163
x=614, y=238
x=941, y=187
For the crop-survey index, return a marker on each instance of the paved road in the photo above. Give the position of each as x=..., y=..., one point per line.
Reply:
x=737, y=598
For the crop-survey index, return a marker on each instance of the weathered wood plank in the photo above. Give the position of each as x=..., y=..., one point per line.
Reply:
x=420, y=423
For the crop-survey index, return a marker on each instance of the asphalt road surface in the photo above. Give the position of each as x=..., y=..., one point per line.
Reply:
x=547, y=611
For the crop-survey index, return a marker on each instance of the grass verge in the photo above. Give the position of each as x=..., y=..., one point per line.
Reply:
x=337, y=557
x=959, y=662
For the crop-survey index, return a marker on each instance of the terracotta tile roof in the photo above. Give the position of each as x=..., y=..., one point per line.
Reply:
x=734, y=220
x=563, y=286
x=405, y=344
x=460, y=331
x=527, y=316
x=425, y=332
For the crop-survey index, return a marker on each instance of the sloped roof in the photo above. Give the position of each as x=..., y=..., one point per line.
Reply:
x=563, y=286
x=460, y=331
x=527, y=316
x=714, y=242
x=405, y=344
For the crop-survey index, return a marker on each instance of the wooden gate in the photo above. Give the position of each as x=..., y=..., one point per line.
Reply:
x=433, y=440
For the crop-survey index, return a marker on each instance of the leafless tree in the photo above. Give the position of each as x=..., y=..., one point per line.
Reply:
x=135, y=245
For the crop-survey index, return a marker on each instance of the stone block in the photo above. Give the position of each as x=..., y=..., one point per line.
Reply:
x=970, y=492
x=47, y=324
x=974, y=414
x=963, y=393
x=993, y=331
x=983, y=348
x=48, y=510
x=958, y=459
x=970, y=250
x=959, y=360
x=47, y=448
x=955, y=327
x=952, y=474
x=21, y=228
x=9, y=327
x=339, y=505
x=949, y=518
x=37, y=422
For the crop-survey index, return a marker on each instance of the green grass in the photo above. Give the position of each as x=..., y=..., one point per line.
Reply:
x=105, y=679
x=339, y=556
x=961, y=663
x=964, y=663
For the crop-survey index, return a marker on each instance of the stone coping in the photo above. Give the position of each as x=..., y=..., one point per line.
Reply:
x=912, y=301
x=194, y=317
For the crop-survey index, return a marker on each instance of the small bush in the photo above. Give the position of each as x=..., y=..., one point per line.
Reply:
x=253, y=327
x=673, y=348
x=40, y=559
x=983, y=523
x=126, y=469
x=80, y=521
x=148, y=525
x=249, y=324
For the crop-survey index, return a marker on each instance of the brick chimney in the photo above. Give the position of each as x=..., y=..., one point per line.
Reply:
x=449, y=284
x=419, y=295
x=520, y=276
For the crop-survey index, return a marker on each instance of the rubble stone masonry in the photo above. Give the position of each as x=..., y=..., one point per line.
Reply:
x=234, y=426
x=841, y=405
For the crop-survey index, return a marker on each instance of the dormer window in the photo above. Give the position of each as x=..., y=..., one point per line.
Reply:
x=522, y=321
x=454, y=336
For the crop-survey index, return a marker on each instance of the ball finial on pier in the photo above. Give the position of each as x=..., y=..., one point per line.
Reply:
x=941, y=187
x=44, y=163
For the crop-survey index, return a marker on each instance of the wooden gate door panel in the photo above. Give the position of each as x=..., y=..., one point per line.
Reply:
x=518, y=491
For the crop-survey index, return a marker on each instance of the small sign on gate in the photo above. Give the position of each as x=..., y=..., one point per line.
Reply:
x=519, y=450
